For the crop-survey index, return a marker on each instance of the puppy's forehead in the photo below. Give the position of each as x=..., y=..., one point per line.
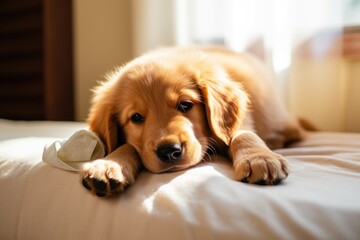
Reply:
x=159, y=82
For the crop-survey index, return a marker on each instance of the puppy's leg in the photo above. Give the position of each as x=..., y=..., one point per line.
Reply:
x=112, y=174
x=254, y=162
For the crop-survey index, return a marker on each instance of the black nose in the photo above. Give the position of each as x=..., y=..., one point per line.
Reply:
x=169, y=152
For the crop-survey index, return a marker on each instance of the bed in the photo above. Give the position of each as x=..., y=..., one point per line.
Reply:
x=319, y=200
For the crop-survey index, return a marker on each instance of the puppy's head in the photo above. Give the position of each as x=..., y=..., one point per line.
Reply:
x=169, y=110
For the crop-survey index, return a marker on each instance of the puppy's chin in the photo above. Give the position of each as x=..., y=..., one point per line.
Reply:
x=175, y=167
x=159, y=167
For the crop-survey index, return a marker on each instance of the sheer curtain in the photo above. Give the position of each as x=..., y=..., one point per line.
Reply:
x=312, y=47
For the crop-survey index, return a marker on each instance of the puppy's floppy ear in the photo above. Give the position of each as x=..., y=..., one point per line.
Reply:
x=103, y=118
x=225, y=101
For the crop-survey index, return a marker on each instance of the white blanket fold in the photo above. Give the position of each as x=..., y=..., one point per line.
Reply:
x=83, y=146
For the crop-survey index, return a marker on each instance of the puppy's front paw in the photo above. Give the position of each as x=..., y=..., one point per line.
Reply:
x=105, y=178
x=261, y=166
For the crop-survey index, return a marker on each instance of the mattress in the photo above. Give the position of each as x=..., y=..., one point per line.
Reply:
x=319, y=200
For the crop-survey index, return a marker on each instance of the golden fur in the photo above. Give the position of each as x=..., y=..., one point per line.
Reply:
x=168, y=109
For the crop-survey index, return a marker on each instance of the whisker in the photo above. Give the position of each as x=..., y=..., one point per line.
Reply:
x=207, y=157
x=212, y=145
x=210, y=149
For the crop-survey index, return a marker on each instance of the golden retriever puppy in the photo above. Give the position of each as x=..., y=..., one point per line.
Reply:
x=170, y=108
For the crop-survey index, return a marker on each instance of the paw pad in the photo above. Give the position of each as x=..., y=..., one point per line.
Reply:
x=99, y=185
x=262, y=169
x=104, y=178
x=102, y=188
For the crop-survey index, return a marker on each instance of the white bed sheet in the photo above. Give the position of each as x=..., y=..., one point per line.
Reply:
x=319, y=200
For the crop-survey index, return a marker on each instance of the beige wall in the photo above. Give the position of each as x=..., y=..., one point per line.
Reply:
x=153, y=24
x=102, y=40
x=326, y=92
x=352, y=113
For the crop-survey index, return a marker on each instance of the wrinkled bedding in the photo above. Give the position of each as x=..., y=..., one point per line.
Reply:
x=319, y=200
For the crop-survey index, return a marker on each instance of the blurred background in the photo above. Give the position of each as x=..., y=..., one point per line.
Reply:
x=52, y=52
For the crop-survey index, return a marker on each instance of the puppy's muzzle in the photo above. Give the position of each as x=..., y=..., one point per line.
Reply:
x=169, y=152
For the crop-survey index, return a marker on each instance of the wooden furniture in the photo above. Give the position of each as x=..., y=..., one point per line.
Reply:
x=36, y=81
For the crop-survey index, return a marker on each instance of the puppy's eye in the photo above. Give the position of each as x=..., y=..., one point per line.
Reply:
x=137, y=118
x=184, y=106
